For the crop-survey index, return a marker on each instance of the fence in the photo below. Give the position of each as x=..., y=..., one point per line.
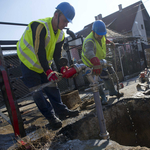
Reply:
x=127, y=58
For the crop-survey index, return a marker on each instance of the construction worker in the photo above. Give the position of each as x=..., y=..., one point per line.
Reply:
x=93, y=50
x=40, y=43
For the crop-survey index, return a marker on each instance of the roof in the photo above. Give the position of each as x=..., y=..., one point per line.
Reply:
x=88, y=29
x=110, y=34
x=117, y=23
x=122, y=21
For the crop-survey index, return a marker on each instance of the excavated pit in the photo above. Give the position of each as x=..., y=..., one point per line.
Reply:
x=127, y=121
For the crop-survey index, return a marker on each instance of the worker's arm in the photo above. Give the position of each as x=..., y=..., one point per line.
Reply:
x=110, y=42
x=90, y=54
x=89, y=51
x=57, y=54
x=38, y=34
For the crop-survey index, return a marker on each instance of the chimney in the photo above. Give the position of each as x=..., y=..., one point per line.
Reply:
x=120, y=7
x=96, y=18
x=99, y=17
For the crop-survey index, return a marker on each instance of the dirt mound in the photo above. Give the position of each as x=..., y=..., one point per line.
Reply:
x=127, y=122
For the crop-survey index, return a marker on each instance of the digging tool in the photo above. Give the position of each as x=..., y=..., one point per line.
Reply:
x=117, y=79
x=38, y=88
x=75, y=69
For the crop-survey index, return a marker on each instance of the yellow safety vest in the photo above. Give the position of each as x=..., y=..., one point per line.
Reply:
x=25, y=47
x=100, y=50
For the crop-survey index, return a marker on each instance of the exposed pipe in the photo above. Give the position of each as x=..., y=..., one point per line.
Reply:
x=94, y=87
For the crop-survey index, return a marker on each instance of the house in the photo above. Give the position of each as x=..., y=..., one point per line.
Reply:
x=133, y=21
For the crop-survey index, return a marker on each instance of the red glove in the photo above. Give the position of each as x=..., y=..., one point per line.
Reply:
x=97, y=68
x=69, y=73
x=52, y=75
x=63, y=69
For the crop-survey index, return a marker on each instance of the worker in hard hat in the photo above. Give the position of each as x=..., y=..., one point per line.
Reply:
x=93, y=50
x=40, y=43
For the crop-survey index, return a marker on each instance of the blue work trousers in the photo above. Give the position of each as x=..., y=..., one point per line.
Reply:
x=47, y=108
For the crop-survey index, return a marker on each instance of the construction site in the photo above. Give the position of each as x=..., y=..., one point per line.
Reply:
x=121, y=124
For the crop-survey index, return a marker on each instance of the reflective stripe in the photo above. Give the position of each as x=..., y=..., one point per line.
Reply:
x=90, y=39
x=26, y=43
x=30, y=48
x=89, y=65
x=28, y=58
x=47, y=41
x=60, y=37
x=50, y=61
x=94, y=44
x=48, y=36
x=84, y=58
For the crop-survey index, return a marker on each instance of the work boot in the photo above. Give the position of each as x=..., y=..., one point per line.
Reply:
x=55, y=123
x=68, y=114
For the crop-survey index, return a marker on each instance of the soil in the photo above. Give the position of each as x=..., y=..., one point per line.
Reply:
x=34, y=119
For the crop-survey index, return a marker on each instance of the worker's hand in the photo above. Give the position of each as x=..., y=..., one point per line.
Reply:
x=112, y=44
x=53, y=75
x=97, y=68
x=64, y=69
x=69, y=73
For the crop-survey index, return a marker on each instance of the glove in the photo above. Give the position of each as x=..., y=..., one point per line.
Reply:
x=69, y=73
x=63, y=69
x=97, y=68
x=53, y=75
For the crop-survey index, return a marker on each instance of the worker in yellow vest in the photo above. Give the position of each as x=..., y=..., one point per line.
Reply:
x=40, y=43
x=93, y=50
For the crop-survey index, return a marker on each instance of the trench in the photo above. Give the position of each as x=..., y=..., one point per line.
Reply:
x=127, y=121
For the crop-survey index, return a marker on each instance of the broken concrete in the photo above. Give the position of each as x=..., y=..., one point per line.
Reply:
x=71, y=99
x=96, y=144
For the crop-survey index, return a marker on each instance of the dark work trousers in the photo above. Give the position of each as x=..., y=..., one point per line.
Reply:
x=47, y=108
x=108, y=82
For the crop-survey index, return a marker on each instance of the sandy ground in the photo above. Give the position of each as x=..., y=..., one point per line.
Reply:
x=34, y=118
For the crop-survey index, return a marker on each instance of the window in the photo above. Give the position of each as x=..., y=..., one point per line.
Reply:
x=142, y=26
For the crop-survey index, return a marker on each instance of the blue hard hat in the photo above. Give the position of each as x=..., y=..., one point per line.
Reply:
x=67, y=9
x=99, y=27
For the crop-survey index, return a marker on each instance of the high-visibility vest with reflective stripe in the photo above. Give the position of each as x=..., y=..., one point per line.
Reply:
x=25, y=47
x=98, y=49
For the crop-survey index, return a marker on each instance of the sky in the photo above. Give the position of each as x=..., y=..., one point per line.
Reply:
x=25, y=11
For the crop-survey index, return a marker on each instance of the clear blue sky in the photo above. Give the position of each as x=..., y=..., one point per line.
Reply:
x=25, y=11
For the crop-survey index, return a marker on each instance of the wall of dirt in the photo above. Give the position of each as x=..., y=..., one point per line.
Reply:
x=127, y=122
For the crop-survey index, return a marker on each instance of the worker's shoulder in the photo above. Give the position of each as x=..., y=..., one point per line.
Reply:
x=36, y=24
x=89, y=42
